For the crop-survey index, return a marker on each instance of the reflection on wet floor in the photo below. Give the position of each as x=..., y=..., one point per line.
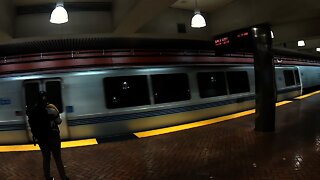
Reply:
x=317, y=143
x=297, y=162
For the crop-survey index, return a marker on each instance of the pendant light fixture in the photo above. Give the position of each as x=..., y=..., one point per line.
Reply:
x=59, y=15
x=197, y=20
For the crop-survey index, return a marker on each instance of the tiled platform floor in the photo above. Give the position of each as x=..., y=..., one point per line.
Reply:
x=226, y=150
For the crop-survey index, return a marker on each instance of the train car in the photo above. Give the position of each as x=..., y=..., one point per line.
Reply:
x=310, y=76
x=103, y=102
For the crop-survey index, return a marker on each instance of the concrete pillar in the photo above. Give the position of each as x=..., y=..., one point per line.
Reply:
x=264, y=79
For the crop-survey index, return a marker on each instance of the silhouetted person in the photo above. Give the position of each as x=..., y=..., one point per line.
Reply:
x=44, y=119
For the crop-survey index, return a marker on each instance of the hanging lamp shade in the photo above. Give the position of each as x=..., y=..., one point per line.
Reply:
x=59, y=15
x=198, y=20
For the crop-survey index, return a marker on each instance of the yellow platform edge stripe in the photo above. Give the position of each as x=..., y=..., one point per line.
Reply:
x=64, y=144
x=199, y=123
x=307, y=95
x=282, y=103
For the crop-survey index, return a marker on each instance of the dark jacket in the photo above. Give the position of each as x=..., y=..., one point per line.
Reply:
x=42, y=126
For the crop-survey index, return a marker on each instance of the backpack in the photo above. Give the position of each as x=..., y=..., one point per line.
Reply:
x=53, y=113
x=41, y=123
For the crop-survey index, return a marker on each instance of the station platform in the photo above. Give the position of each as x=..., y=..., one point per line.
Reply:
x=225, y=148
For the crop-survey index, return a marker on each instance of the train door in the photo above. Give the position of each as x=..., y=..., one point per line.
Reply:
x=53, y=88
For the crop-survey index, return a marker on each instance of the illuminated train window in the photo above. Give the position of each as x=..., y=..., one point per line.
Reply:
x=238, y=82
x=288, y=77
x=170, y=88
x=126, y=91
x=211, y=84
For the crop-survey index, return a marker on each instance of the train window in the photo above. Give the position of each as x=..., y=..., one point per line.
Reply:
x=288, y=77
x=296, y=75
x=31, y=93
x=170, y=87
x=211, y=84
x=126, y=91
x=53, y=89
x=238, y=82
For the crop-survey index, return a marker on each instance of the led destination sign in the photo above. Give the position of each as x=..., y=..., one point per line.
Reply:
x=221, y=41
x=236, y=41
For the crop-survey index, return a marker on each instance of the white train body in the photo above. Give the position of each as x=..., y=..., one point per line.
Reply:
x=90, y=109
x=310, y=76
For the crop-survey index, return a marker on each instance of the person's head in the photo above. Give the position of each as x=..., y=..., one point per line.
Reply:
x=42, y=98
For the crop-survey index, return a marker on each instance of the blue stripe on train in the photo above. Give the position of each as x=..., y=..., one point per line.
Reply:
x=282, y=91
x=124, y=117
x=12, y=127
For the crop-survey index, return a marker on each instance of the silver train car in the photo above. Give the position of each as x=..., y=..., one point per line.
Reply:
x=105, y=102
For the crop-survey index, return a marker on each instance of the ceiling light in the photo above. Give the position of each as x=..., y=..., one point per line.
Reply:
x=59, y=15
x=272, y=35
x=318, y=49
x=197, y=20
x=301, y=43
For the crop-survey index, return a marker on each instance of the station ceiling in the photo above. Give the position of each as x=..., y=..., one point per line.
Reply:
x=290, y=20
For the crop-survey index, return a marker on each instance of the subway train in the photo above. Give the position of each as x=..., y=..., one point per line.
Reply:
x=103, y=102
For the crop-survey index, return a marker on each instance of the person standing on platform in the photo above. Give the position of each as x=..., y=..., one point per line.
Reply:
x=44, y=120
